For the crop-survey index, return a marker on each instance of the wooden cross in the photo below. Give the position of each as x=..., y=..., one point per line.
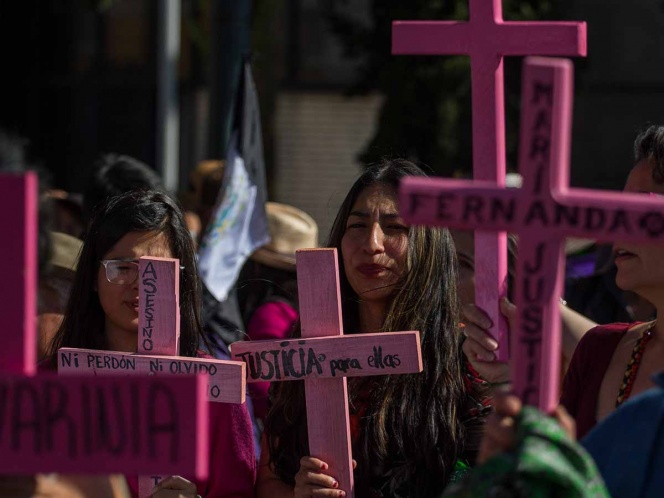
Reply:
x=542, y=213
x=159, y=346
x=80, y=424
x=324, y=357
x=486, y=38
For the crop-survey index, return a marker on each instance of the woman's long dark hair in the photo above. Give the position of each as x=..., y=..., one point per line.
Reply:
x=412, y=433
x=137, y=211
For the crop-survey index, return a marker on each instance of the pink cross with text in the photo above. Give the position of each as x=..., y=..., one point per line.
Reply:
x=542, y=213
x=486, y=38
x=79, y=424
x=324, y=357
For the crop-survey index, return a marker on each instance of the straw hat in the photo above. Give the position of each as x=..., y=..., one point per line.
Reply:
x=290, y=229
x=65, y=251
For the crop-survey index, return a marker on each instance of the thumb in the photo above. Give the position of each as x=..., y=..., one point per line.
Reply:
x=508, y=309
x=354, y=464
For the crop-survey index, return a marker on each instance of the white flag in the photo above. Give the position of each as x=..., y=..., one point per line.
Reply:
x=237, y=228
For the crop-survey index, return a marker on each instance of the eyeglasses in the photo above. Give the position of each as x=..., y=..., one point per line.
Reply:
x=121, y=271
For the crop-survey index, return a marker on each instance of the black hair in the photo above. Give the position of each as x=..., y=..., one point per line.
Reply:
x=114, y=174
x=649, y=145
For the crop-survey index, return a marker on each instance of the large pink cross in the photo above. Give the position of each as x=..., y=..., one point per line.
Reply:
x=324, y=357
x=486, y=38
x=80, y=424
x=542, y=213
x=159, y=346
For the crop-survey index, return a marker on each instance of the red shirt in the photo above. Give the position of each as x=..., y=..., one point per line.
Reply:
x=586, y=372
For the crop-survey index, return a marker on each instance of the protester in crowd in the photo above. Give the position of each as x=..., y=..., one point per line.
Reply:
x=410, y=432
x=612, y=362
x=68, y=212
x=14, y=159
x=615, y=361
x=267, y=285
x=55, y=285
x=115, y=174
x=103, y=314
x=206, y=181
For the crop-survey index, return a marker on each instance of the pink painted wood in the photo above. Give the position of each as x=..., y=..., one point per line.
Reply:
x=18, y=294
x=159, y=333
x=103, y=425
x=543, y=213
x=225, y=380
x=159, y=306
x=486, y=38
x=324, y=357
x=80, y=425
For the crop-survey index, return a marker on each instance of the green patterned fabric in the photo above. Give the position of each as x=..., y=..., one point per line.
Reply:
x=544, y=464
x=460, y=471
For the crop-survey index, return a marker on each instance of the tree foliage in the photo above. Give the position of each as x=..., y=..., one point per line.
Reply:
x=426, y=114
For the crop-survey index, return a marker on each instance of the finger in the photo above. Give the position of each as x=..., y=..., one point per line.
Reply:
x=503, y=432
x=507, y=405
x=499, y=436
x=175, y=482
x=476, y=315
x=509, y=310
x=310, y=478
x=490, y=371
x=314, y=491
x=475, y=351
x=311, y=463
x=480, y=336
x=327, y=493
x=354, y=464
x=565, y=420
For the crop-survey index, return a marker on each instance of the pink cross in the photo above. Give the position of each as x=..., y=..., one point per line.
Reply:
x=324, y=357
x=542, y=213
x=79, y=424
x=486, y=38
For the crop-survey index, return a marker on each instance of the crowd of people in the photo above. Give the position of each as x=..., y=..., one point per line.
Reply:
x=449, y=430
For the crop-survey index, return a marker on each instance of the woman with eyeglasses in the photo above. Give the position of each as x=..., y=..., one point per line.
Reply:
x=103, y=314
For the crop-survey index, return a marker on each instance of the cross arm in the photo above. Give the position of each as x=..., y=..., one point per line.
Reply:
x=457, y=203
x=609, y=216
x=352, y=355
x=226, y=379
x=544, y=38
